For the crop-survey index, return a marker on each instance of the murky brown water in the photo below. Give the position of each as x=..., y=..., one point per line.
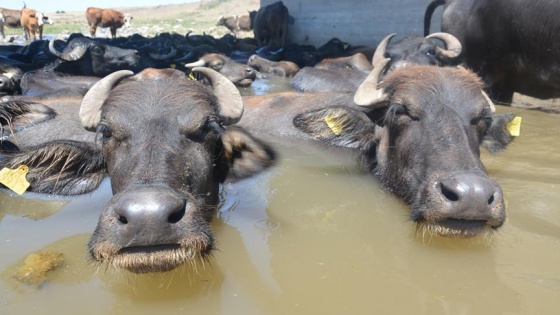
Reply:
x=312, y=236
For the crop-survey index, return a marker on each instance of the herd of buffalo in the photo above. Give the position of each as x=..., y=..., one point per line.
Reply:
x=163, y=117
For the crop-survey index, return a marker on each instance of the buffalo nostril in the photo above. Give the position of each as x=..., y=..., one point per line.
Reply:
x=448, y=193
x=176, y=216
x=491, y=200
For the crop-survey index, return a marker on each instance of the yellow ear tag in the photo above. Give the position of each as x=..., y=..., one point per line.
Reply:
x=333, y=123
x=192, y=77
x=172, y=66
x=514, y=127
x=15, y=179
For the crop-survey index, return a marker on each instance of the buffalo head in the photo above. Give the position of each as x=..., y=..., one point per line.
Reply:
x=166, y=144
x=83, y=56
x=239, y=74
x=421, y=135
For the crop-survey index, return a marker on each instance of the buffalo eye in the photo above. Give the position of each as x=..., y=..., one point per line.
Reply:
x=485, y=116
x=104, y=131
x=402, y=110
x=216, y=65
x=211, y=124
x=431, y=52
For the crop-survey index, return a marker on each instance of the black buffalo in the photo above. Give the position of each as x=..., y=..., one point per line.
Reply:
x=512, y=44
x=344, y=74
x=419, y=131
x=271, y=25
x=84, y=56
x=165, y=143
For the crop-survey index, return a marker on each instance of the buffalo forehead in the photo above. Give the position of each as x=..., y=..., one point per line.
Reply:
x=160, y=99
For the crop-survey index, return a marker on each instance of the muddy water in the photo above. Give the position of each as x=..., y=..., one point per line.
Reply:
x=311, y=236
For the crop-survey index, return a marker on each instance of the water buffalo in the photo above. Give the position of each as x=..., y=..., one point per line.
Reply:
x=165, y=141
x=239, y=74
x=271, y=25
x=411, y=50
x=418, y=131
x=512, y=44
x=106, y=18
x=84, y=56
x=280, y=68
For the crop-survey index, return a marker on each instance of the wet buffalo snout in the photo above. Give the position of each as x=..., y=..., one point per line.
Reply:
x=471, y=197
x=147, y=216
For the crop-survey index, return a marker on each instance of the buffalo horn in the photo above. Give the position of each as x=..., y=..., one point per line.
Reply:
x=75, y=54
x=368, y=94
x=492, y=106
x=380, y=50
x=90, y=110
x=170, y=55
x=231, y=104
x=452, y=44
x=199, y=63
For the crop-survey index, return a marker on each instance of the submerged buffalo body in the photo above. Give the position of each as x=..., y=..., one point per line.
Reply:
x=419, y=133
x=164, y=142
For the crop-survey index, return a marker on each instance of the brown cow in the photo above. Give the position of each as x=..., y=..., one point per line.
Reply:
x=32, y=23
x=10, y=18
x=237, y=23
x=106, y=18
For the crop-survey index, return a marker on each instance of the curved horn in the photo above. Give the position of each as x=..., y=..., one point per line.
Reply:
x=368, y=94
x=170, y=55
x=492, y=106
x=199, y=63
x=76, y=53
x=231, y=104
x=90, y=110
x=380, y=50
x=452, y=44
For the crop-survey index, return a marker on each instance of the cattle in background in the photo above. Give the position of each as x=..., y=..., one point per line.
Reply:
x=165, y=142
x=418, y=131
x=33, y=22
x=106, y=18
x=237, y=23
x=10, y=18
x=271, y=25
x=512, y=44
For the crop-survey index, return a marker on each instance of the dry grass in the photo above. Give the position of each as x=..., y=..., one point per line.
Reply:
x=198, y=17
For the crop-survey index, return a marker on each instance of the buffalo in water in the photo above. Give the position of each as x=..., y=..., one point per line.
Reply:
x=418, y=131
x=165, y=141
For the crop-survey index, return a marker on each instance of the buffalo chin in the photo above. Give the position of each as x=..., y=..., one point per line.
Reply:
x=244, y=83
x=456, y=228
x=150, y=259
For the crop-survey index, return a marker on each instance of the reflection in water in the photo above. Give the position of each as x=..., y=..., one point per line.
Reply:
x=312, y=236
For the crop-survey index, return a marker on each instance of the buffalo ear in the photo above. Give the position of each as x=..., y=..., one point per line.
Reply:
x=244, y=154
x=497, y=136
x=16, y=115
x=60, y=167
x=339, y=126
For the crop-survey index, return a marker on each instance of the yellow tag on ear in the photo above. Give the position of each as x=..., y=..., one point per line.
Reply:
x=514, y=127
x=192, y=77
x=15, y=179
x=333, y=123
x=172, y=66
